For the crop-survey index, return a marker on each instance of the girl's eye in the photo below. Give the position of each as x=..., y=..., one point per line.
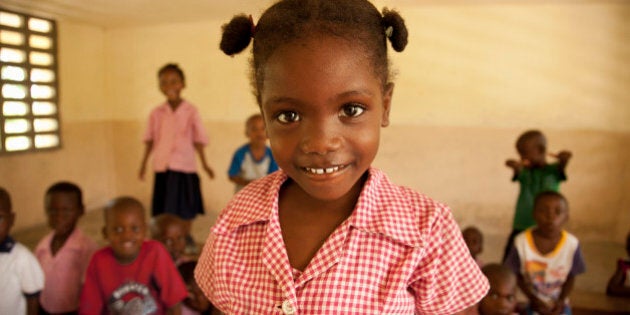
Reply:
x=352, y=110
x=135, y=228
x=288, y=117
x=118, y=229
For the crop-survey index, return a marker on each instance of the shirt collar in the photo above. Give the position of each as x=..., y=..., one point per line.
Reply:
x=7, y=245
x=382, y=208
x=182, y=105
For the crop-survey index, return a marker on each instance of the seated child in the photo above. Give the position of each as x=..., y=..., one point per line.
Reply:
x=547, y=280
x=65, y=252
x=196, y=303
x=21, y=276
x=619, y=283
x=501, y=299
x=170, y=230
x=131, y=275
x=474, y=242
x=252, y=160
x=534, y=175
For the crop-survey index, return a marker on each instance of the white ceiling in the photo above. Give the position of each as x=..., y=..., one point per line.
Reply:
x=121, y=13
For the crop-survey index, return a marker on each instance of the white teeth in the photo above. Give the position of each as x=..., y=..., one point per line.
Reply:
x=320, y=171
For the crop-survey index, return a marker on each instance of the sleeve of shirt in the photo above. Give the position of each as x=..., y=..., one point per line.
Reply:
x=578, y=266
x=31, y=274
x=237, y=161
x=91, y=301
x=172, y=287
x=447, y=279
x=513, y=261
x=199, y=132
x=273, y=166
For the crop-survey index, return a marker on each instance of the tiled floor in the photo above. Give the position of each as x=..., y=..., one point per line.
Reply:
x=588, y=293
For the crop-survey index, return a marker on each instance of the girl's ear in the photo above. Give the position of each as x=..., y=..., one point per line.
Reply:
x=387, y=103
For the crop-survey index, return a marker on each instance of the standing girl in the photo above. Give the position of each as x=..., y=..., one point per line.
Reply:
x=329, y=234
x=174, y=133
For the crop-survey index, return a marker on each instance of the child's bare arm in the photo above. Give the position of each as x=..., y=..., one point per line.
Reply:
x=239, y=180
x=563, y=158
x=514, y=165
x=537, y=304
x=175, y=309
x=143, y=164
x=32, y=305
x=202, y=157
x=567, y=287
x=615, y=284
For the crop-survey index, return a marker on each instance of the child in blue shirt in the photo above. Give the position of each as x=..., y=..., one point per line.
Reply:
x=252, y=160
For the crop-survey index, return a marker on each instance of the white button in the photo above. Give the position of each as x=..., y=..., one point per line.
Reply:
x=287, y=308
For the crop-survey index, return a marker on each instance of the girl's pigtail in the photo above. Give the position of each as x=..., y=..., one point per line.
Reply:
x=237, y=34
x=395, y=29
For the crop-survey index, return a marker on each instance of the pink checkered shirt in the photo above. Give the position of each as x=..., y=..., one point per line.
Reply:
x=399, y=252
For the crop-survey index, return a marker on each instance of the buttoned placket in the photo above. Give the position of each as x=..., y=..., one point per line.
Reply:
x=276, y=260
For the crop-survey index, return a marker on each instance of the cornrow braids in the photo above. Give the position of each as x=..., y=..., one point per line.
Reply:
x=172, y=67
x=287, y=21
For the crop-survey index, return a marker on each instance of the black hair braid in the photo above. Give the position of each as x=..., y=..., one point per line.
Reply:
x=398, y=37
x=237, y=34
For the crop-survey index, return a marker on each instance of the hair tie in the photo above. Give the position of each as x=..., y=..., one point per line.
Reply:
x=389, y=31
x=251, y=19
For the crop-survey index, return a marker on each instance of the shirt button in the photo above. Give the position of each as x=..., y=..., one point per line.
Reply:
x=287, y=308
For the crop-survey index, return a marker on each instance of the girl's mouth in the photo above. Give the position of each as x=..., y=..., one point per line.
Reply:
x=325, y=170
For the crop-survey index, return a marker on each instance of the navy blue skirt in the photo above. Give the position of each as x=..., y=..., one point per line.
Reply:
x=177, y=193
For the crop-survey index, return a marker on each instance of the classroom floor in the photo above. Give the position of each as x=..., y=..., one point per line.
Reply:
x=588, y=296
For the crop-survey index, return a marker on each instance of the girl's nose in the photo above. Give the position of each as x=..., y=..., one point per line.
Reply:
x=320, y=137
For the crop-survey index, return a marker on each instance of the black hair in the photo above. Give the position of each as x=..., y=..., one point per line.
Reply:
x=473, y=229
x=530, y=135
x=161, y=221
x=123, y=202
x=172, y=67
x=550, y=193
x=187, y=271
x=494, y=270
x=5, y=200
x=286, y=21
x=67, y=187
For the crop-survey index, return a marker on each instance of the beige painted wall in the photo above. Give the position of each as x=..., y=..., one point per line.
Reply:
x=472, y=78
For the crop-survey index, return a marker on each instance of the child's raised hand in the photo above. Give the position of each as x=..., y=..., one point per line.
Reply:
x=514, y=164
x=562, y=156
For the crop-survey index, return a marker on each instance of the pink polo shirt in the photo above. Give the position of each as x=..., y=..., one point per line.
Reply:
x=174, y=134
x=65, y=271
x=399, y=252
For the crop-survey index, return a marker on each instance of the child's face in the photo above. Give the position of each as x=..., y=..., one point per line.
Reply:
x=63, y=211
x=550, y=214
x=6, y=221
x=171, y=85
x=125, y=230
x=174, y=239
x=501, y=298
x=196, y=300
x=532, y=152
x=255, y=131
x=473, y=241
x=324, y=108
